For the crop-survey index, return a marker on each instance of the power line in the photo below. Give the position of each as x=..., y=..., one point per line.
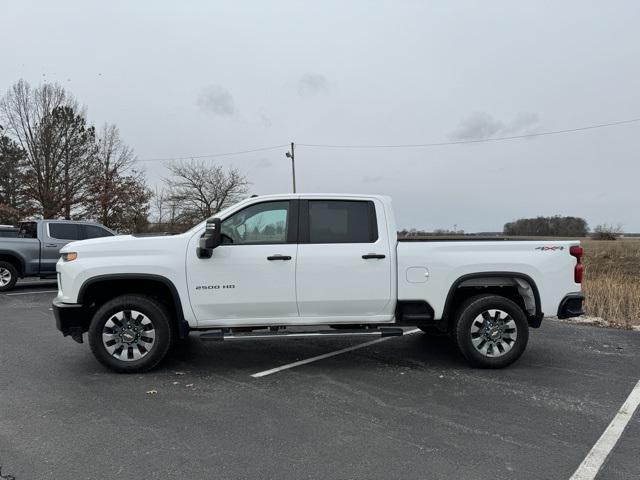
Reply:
x=407, y=145
x=483, y=140
x=212, y=155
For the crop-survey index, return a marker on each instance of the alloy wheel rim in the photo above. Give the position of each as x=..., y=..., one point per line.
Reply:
x=5, y=277
x=493, y=333
x=128, y=335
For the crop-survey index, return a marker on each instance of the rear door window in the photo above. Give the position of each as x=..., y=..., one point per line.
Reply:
x=93, y=231
x=342, y=221
x=65, y=231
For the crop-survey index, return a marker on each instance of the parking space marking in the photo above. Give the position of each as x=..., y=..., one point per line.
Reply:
x=327, y=355
x=30, y=293
x=596, y=457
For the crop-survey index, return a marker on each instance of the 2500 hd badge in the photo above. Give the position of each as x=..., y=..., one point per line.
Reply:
x=213, y=287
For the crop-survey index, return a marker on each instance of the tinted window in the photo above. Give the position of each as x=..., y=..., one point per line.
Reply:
x=342, y=221
x=8, y=232
x=260, y=223
x=28, y=230
x=93, y=231
x=64, y=231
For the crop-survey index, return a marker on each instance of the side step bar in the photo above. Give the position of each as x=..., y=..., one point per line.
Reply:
x=374, y=332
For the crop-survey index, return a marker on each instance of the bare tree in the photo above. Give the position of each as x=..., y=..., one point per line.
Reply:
x=13, y=202
x=117, y=194
x=159, y=205
x=201, y=190
x=607, y=232
x=50, y=127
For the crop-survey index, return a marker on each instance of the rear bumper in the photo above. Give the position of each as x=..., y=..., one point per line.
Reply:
x=571, y=306
x=71, y=319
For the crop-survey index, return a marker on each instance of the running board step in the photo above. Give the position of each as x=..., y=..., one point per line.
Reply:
x=416, y=317
x=377, y=332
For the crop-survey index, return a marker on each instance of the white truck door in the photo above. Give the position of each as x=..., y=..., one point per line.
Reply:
x=251, y=276
x=344, y=260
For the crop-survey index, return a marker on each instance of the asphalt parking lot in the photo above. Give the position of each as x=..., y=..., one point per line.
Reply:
x=407, y=408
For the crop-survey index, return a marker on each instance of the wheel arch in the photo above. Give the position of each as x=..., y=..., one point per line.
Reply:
x=520, y=287
x=97, y=290
x=14, y=259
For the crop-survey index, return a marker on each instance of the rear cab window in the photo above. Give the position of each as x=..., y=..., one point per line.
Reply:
x=340, y=221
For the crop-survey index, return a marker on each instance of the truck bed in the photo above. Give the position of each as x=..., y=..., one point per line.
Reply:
x=428, y=268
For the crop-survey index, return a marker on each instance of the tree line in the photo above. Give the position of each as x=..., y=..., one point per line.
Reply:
x=556, y=226
x=54, y=164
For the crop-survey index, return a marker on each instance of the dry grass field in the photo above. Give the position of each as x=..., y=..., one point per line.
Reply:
x=612, y=280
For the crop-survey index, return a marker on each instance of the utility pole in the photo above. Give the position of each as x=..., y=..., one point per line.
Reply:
x=292, y=156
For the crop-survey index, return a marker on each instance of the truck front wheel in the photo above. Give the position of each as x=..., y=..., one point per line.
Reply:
x=8, y=276
x=131, y=333
x=491, y=331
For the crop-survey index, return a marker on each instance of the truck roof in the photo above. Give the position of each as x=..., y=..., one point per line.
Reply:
x=384, y=198
x=43, y=220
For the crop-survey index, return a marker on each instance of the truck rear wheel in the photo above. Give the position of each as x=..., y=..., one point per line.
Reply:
x=8, y=276
x=131, y=333
x=491, y=331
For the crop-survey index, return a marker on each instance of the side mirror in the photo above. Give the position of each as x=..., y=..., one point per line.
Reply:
x=210, y=239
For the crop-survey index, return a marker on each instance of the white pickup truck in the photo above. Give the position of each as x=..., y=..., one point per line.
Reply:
x=332, y=262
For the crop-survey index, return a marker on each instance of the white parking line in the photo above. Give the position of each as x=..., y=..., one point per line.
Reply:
x=327, y=355
x=30, y=293
x=594, y=460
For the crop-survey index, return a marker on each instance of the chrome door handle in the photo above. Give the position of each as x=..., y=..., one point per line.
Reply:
x=373, y=255
x=279, y=257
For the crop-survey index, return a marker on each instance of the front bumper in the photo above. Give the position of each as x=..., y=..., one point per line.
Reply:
x=571, y=306
x=71, y=319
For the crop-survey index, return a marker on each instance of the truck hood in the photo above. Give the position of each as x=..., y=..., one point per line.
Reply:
x=118, y=244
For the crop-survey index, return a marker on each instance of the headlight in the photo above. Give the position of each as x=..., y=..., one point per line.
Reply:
x=69, y=256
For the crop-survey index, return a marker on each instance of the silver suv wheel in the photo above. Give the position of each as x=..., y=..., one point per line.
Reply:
x=493, y=333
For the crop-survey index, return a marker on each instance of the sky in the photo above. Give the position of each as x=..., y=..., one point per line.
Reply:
x=184, y=79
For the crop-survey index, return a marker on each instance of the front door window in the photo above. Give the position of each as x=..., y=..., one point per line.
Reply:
x=263, y=223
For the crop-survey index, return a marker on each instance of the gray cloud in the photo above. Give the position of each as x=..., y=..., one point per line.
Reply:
x=372, y=178
x=263, y=163
x=312, y=84
x=216, y=99
x=265, y=121
x=481, y=125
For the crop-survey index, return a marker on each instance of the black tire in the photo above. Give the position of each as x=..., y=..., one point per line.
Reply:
x=470, y=311
x=7, y=268
x=157, y=315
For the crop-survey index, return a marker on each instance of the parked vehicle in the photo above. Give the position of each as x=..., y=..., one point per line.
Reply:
x=36, y=249
x=272, y=262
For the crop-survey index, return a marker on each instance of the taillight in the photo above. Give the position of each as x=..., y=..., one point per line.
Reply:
x=578, y=271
